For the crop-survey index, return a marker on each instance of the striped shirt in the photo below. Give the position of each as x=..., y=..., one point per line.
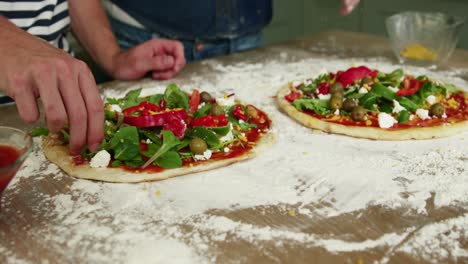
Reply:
x=47, y=19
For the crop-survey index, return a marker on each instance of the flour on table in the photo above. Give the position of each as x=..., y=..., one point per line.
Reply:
x=171, y=220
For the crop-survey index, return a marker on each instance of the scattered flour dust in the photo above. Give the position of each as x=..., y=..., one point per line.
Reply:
x=168, y=221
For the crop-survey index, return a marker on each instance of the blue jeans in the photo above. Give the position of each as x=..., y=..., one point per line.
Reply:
x=129, y=36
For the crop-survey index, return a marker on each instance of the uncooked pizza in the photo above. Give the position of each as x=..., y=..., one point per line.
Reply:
x=165, y=135
x=368, y=103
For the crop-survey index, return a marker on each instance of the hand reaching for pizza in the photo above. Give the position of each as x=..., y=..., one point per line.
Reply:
x=348, y=6
x=65, y=85
x=163, y=58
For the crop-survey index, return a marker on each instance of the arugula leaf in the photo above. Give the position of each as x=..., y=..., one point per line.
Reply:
x=125, y=144
x=386, y=107
x=383, y=91
x=392, y=78
x=203, y=111
x=112, y=100
x=155, y=98
x=135, y=163
x=153, y=136
x=169, y=141
x=450, y=88
x=169, y=160
x=309, y=89
x=369, y=100
x=175, y=97
x=131, y=99
x=403, y=116
x=222, y=131
x=207, y=135
x=407, y=103
x=116, y=163
x=319, y=106
x=39, y=131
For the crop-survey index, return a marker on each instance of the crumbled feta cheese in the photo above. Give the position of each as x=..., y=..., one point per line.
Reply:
x=226, y=149
x=201, y=105
x=397, y=108
x=226, y=101
x=324, y=96
x=115, y=108
x=363, y=90
x=431, y=99
x=307, y=82
x=394, y=89
x=386, y=120
x=148, y=141
x=205, y=156
x=444, y=115
x=241, y=121
x=100, y=160
x=411, y=117
x=423, y=113
x=337, y=112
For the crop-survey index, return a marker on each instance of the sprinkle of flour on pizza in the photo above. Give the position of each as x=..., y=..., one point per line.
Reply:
x=346, y=178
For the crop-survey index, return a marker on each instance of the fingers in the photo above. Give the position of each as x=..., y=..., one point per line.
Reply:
x=25, y=100
x=176, y=49
x=158, y=62
x=76, y=108
x=163, y=75
x=45, y=79
x=348, y=6
x=94, y=108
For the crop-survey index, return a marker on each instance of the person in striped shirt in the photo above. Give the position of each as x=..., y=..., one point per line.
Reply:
x=36, y=63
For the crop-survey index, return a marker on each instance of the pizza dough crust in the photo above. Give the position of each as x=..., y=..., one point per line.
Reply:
x=59, y=155
x=444, y=130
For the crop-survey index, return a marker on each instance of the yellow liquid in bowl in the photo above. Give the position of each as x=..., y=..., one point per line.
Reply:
x=417, y=51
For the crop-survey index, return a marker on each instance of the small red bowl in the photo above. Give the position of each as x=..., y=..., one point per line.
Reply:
x=15, y=146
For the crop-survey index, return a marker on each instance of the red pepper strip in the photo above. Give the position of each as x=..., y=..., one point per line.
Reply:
x=176, y=124
x=194, y=101
x=292, y=96
x=158, y=119
x=143, y=109
x=162, y=104
x=210, y=121
x=352, y=74
x=239, y=112
x=410, y=87
x=324, y=88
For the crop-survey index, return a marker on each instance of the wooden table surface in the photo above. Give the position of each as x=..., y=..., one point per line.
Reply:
x=33, y=231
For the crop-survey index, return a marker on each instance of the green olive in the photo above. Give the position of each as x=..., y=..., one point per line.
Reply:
x=198, y=145
x=205, y=97
x=437, y=109
x=336, y=102
x=358, y=113
x=349, y=104
x=367, y=80
x=216, y=109
x=337, y=88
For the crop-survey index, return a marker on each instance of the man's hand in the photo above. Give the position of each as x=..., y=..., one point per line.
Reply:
x=348, y=6
x=163, y=58
x=32, y=68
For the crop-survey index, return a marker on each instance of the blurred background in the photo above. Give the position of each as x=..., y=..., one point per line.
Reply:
x=296, y=18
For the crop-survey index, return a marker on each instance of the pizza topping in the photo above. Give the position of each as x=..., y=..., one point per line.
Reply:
x=198, y=145
x=194, y=101
x=422, y=113
x=100, y=160
x=437, y=110
x=210, y=121
x=431, y=99
x=205, y=97
x=386, y=120
x=369, y=92
x=397, y=108
x=239, y=112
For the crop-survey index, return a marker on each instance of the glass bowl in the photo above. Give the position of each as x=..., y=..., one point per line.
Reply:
x=423, y=38
x=15, y=146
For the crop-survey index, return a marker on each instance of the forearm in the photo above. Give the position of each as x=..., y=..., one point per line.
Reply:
x=91, y=26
